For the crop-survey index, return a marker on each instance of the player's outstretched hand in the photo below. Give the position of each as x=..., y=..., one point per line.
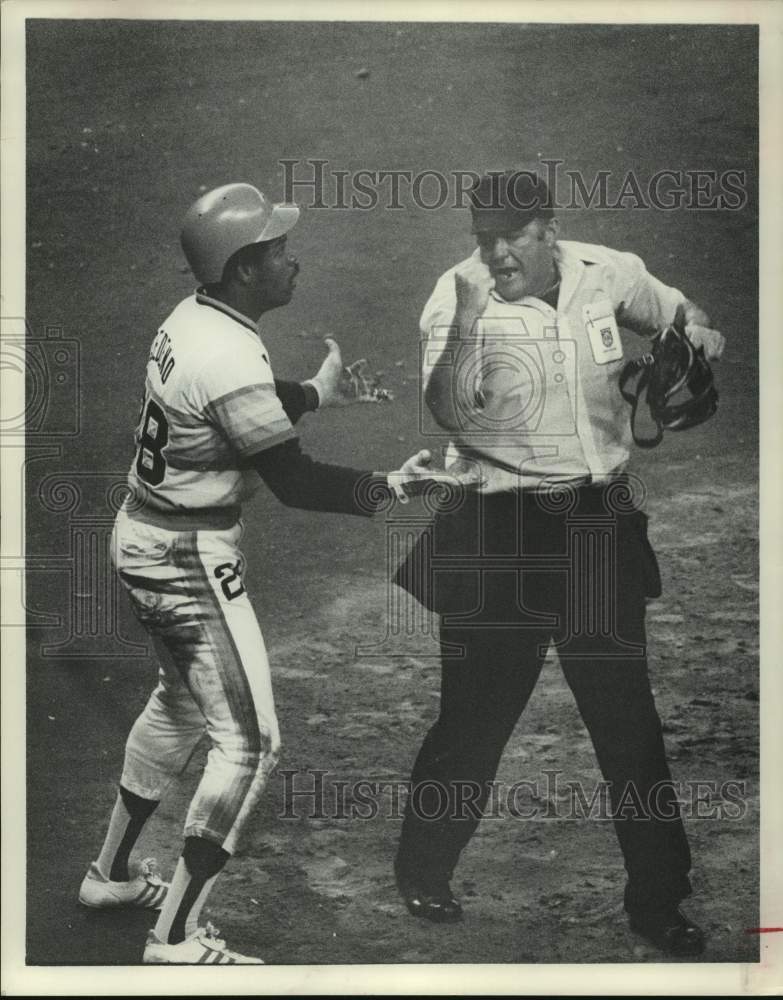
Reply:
x=327, y=380
x=338, y=385
x=416, y=475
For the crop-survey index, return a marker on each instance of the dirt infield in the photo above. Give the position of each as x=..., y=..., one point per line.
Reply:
x=126, y=123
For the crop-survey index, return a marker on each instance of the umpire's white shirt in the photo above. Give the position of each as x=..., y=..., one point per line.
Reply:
x=536, y=389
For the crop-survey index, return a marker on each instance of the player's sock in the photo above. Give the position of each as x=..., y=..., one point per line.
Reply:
x=128, y=817
x=197, y=870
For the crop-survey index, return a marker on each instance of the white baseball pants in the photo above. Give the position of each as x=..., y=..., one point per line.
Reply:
x=186, y=588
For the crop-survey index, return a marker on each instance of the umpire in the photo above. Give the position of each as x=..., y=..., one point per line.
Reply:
x=521, y=368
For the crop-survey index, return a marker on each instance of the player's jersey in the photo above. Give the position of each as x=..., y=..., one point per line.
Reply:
x=209, y=405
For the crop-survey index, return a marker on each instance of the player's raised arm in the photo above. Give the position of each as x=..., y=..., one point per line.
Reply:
x=335, y=384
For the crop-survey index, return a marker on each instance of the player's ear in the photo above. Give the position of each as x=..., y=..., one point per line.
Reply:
x=245, y=264
x=235, y=268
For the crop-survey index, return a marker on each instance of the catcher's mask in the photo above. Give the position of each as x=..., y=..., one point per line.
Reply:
x=678, y=383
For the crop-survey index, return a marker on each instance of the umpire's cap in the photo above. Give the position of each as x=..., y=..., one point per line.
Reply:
x=508, y=200
x=226, y=219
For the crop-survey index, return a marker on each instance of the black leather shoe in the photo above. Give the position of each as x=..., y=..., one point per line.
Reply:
x=670, y=930
x=430, y=899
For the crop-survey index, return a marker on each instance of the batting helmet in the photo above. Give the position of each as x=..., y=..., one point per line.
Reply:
x=226, y=219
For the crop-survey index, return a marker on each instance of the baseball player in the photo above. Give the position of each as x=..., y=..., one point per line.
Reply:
x=213, y=419
x=521, y=368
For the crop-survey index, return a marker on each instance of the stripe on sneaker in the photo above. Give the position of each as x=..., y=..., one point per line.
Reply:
x=158, y=897
x=152, y=896
x=143, y=897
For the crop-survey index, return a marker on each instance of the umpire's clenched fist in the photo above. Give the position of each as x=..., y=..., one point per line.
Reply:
x=473, y=283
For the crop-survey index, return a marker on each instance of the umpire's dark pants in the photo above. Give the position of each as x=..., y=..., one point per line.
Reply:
x=512, y=572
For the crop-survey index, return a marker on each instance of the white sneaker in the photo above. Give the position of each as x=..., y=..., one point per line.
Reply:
x=203, y=947
x=147, y=890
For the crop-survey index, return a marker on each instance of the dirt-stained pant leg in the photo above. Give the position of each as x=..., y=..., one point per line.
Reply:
x=186, y=588
x=165, y=735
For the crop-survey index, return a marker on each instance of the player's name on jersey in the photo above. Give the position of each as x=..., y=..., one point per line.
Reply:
x=161, y=354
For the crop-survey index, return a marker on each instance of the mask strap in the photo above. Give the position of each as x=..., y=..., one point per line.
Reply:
x=643, y=365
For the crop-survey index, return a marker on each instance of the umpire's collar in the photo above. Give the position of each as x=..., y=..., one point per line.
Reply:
x=206, y=300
